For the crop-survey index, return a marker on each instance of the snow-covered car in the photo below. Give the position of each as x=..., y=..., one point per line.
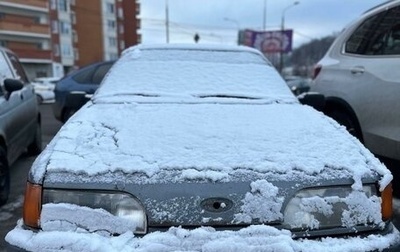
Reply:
x=203, y=148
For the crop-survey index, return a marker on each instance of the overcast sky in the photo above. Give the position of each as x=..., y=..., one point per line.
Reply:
x=217, y=21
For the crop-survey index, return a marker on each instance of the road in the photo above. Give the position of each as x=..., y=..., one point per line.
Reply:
x=12, y=211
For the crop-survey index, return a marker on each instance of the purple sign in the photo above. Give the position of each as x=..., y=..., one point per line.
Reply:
x=268, y=41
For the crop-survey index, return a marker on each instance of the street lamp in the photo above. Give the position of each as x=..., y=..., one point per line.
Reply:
x=282, y=31
x=166, y=21
x=265, y=15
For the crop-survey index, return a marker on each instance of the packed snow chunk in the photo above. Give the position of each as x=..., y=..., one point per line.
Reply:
x=362, y=209
x=261, y=203
x=83, y=219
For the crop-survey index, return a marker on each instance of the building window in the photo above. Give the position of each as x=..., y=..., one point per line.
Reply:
x=120, y=13
x=110, y=8
x=76, y=54
x=53, y=4
x=121, y=28
x=56, y=50
x=73, y=17
x=112, y=41
x=122, y=45
x=72, y=2
x=74, y=36
x=65, y=27
x=113, y=56
x=54, y=26
x=111, y=25
x=66, y=50
x=63, y=5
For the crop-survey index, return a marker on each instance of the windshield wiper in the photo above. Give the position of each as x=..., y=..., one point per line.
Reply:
x=228, y=96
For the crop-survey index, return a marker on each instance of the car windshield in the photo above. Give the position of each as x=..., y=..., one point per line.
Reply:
x=222, y=74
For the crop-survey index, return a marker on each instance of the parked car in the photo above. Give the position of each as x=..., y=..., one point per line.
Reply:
x=360, y=79
x=44, y=88
x=20, y=128
x=298, y=84
x=196, y=147
x=85, y=80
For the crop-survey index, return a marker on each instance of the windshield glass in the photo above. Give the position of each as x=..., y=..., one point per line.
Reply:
x=196, y=74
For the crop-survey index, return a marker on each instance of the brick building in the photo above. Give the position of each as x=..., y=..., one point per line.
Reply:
x=53, y=37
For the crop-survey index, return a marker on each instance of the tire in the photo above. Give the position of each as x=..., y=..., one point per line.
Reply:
x=36, y=146
x=4, y=177
x=348, y=121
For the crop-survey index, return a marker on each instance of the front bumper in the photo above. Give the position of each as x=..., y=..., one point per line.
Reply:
x=257, y=238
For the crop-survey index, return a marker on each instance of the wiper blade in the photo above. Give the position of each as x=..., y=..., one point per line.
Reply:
x=144, y=94
x=229, y=96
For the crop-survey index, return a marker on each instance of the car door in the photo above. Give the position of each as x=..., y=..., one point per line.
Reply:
x=370, y=69
x=21, y=111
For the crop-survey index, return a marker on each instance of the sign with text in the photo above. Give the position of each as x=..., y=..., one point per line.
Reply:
x=267, y=41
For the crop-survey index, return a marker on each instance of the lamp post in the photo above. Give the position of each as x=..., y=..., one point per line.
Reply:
x=166, y=21
x=282, y=31
x=265, y=15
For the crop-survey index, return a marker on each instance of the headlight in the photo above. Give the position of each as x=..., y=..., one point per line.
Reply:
x=118, y=204
x=327, y=207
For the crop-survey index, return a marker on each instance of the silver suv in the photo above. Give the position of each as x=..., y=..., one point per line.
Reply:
x=20, y=128
x=360, y=77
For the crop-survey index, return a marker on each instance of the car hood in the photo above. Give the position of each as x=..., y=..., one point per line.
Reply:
x=176, y=143
x=199, y=164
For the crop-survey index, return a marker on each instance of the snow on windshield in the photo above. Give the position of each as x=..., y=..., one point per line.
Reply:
x=184, y=73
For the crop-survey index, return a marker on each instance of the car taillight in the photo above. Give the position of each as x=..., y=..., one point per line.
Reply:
x=32, y=205
x=386, y=205
x=317, y=70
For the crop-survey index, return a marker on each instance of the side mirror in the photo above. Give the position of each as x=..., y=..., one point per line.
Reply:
x=315, y=100
x=12, y=85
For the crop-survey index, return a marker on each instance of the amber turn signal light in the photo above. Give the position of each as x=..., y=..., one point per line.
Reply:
x=32, y=205
x=387, y=202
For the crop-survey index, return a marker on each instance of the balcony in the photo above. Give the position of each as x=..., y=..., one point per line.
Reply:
x=43, y=55
x=29, y=3
x=32, y=29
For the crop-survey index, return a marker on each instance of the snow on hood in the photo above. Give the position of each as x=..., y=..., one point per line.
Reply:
x=205, y=114
x=210, y=139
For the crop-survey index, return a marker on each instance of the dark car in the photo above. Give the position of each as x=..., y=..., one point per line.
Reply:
x=19, y=117
x=298, y=84
x=85, y=80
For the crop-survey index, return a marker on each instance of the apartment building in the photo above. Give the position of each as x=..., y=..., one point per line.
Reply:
x=54, y=37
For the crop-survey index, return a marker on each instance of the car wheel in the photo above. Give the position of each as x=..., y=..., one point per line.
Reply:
x=4, y=177
x=346, y=120
x=36, y=146
x=67, y=114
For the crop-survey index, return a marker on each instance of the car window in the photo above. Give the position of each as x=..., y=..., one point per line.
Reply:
x=101, y=71
x=18, y=67
x=84, y=76
x=377, y=35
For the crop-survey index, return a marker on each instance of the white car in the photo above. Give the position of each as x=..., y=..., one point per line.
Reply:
x=360, y=78
x=44, y=89
x=203, y=148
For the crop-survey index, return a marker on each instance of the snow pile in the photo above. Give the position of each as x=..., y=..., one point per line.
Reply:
x=253, y=238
